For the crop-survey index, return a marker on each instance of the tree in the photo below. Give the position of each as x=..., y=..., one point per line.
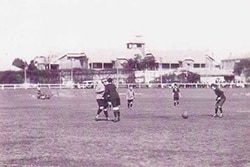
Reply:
x=32, y=65
x=129, y=65
x=242, y=67
x=19, y=63
x=184, y=77
x=149, y=62
x=193, y=77
x=11, y=77
x=229, y=78
x=139, y=63
x=131, y=78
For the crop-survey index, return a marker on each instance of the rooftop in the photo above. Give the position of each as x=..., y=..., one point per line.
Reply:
x=238, y=57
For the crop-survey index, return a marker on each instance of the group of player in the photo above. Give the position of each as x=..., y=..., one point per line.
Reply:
x=107, y=97
x=220, y=98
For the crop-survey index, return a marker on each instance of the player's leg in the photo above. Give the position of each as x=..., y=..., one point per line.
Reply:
x=177, y=101
x=100, y=108
x=39, y=94
x=106, y=113
x=109, y=105
x=131, y=103
x=105, y=110
x=116, y=113
x=116, y=103
x=220, y=104
x=215, y=112
x=98, y=112
x=216, y=109
x=221, y=112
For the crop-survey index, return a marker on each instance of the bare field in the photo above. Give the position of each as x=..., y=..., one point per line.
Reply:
x=61, y=131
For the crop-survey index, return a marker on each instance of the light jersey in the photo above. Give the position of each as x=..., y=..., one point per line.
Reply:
x=130, y=94
x=99, y=90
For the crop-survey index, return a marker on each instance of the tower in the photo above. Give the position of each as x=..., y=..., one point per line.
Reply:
x=137, y=44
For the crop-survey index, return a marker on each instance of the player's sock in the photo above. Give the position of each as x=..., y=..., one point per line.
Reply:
x=216, y=110
x=106, y=113
x=128, y=105
x=115, y=114
x=221, y=110
x=177, y=103
x=99, y=111
x=118, y=115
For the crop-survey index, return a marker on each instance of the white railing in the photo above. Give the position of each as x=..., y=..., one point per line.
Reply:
x=137, y=85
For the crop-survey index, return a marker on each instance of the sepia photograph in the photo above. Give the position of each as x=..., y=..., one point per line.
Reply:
x=124, y=83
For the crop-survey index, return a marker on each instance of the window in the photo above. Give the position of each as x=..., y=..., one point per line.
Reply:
x=54, y=66
x=108, y=65
x=129, y=46
x=196, y=65
x=174, y=65
x=203, y=65
x=166, y=65
x=97, y=65
x=139, y=45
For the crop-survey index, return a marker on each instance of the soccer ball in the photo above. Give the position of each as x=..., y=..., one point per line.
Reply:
x=185, y=115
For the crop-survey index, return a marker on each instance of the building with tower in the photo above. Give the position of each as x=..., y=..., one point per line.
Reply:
x=167, y=61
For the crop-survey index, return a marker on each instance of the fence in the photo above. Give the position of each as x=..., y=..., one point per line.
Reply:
x=137, y=85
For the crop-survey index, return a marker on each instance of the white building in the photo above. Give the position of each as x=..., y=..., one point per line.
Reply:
x=67, y=61
x=229, y=63
x=167, y=61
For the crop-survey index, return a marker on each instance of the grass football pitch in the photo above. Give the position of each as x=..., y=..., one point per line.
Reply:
x=61, y=131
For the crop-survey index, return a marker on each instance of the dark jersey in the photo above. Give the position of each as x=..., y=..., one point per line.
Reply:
x=110, y=92
x=176, y=92
x=219, y=93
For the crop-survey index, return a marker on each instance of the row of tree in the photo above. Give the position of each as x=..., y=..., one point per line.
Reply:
x=137, y=63
x=140, y=63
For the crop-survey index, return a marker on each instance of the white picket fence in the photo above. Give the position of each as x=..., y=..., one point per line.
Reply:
x=151, y=85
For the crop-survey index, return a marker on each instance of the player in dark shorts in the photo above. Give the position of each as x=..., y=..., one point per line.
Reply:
x=220, y=100
x=101, y=101
x=176, y=94
x=112, y=95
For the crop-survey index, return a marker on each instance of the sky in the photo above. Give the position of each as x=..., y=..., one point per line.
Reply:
x=30, y=28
